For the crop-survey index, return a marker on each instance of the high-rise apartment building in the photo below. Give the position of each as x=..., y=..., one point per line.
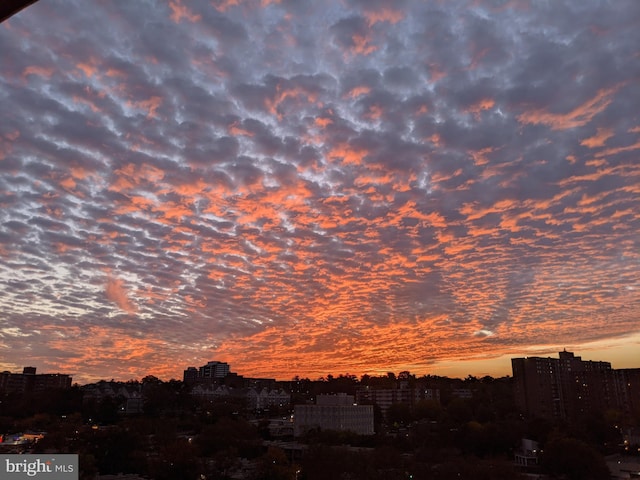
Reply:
x=569, y=387
x=210, y=372
x=627, y=385
x=214, y=370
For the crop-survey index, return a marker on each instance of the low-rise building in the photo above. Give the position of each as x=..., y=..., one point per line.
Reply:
x=255, y=398
x=465, y=393
x=528, y=455
x=334, y=412
x=128, y=395
x=265, y=398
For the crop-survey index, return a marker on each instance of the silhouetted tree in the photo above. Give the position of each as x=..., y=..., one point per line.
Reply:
x=274, y=465
x=399, y=413
x=574, y=459
x=176, y=461
x=427, y=409
x=116, y=451
x=459, y=411
x=227, y=433
x=321, y=462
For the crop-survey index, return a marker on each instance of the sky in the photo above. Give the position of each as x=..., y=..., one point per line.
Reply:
x=318, y=187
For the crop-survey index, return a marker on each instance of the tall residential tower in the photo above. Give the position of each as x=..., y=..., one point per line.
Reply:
x=569, y=387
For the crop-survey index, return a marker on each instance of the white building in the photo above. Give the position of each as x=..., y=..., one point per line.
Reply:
x=528, y=455
x=334, y=412
x=267, y=398
x=211, y=391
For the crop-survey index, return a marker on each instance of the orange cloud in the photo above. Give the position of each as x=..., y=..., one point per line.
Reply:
x=435, y=139
x=323, y=122
x=234, y=129
x=136, y=203
x=362, y=45
x=384, y=15
x=355, y=92
x=190, y=189
x=613, y=151
x=179, y=11
x=172, y=211
x=12, y=135
x=68, y=183
x=89, y=103
x=484, y=104
x=577, y=117
x=89, y=69
x=347, y=154
x=117, y=293
x=284, y=94
x=436, y=73
x=150, y=105
x=113, y=72
x=130, y=176
x=39, y=71
x=224, y=5
x=480, y=157
x=599, y=139
x=5, y=147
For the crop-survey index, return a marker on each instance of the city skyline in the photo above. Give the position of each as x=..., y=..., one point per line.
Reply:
x=304, y=188
x=192, y=373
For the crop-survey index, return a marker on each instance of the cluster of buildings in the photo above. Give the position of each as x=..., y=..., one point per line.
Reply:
x=385, y=397
x=216, y=381
x=211, y=372
x=330, y=412
x=554, y=388
x=255, y=398
x=128, y=394
x=30, y=381
x=569, y=387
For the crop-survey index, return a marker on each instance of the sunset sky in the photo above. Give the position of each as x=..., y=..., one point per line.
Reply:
x=303, y=187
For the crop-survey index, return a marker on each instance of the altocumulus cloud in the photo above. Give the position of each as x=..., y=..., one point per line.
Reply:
x=305, y=187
